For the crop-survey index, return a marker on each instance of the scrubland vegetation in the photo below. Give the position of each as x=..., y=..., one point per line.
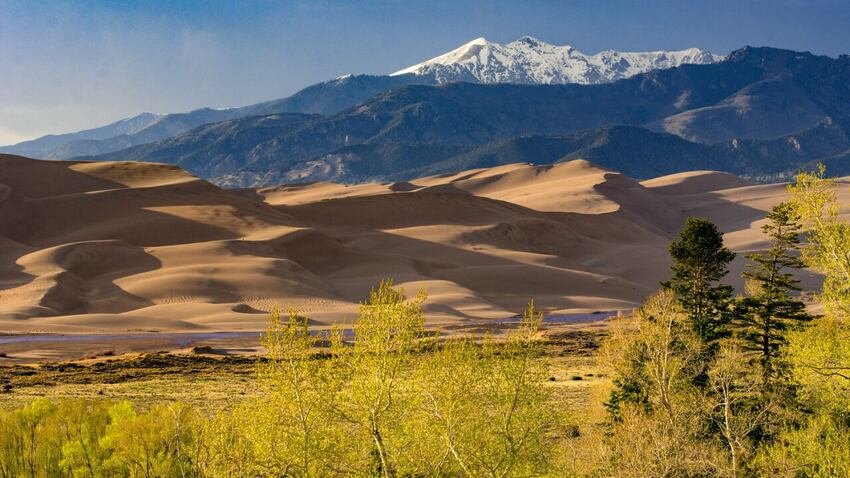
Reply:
x=702, y=383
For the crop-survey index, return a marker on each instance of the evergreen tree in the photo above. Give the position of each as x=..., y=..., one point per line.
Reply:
x=700, y=261
x=772, y=309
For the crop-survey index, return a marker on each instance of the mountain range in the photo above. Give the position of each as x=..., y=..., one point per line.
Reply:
x=532, y=61
x=526, y=60
x=56, y=146
x=762, y=112
x=324, y=98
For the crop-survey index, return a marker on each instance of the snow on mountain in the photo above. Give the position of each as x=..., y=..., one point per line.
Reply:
x=529, y=60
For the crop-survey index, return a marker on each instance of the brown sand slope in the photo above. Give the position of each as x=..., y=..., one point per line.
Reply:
x=93, y=247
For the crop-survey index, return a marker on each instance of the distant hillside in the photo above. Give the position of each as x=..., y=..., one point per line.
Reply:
x=642, y=153
x=331, y=97
x=417, y=128
x=637, y=152
x=325, y=98
x=219, y=148
x=44, y=146
x=529, y=61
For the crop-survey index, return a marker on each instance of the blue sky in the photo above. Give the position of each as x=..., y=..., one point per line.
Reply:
x=70, y=65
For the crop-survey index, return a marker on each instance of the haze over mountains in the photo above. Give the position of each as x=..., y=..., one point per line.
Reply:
x=760, y=112
x=60, y=146
x=121, y=246
x=526, y=60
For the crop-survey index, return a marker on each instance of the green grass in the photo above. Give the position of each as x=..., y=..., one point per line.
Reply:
x=212, y=383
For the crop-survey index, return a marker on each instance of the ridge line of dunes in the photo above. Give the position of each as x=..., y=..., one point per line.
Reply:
x=117, y=246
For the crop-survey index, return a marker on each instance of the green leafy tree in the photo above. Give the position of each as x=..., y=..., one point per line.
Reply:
x=289, y=428
x=226, y=449
x=815, y=199
x=820, y=354
x=739, y=411
x=375, y=397
x=81, y=424
x=29, y=443
x=661, y=429
x=818, y=449
x=486, y=405
x=700, y=261
x=653, y=355
x=159, y=442
x=772, y=310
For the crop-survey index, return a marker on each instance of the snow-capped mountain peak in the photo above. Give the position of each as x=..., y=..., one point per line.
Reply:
x=466, y=53
x=530, y=60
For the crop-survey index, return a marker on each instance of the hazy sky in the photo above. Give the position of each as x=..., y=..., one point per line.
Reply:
x=71, y=65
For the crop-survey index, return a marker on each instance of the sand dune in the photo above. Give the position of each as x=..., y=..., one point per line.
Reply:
x=695, y=182
x=96, y=247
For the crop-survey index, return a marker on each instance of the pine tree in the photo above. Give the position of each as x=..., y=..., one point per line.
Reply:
x=772, y=309
x=700, y=261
